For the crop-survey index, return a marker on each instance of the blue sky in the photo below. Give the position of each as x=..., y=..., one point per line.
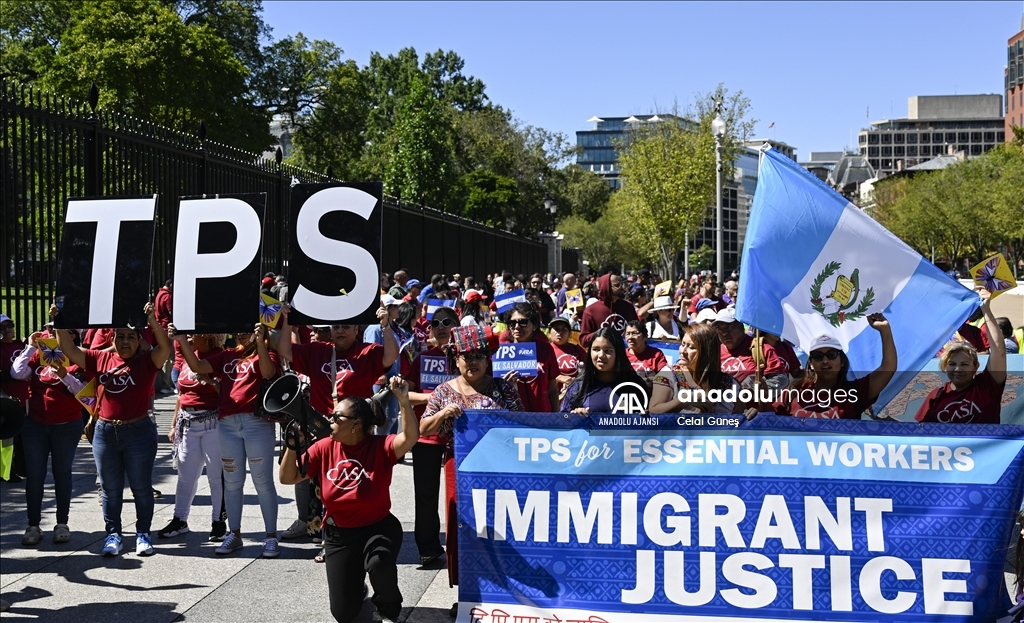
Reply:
x=816, y=70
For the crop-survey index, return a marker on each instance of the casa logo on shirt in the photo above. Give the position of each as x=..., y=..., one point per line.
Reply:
x=958, y=412
x=344, y=369
x=568, y=363
x=832, y=413
x=616, y=322
x=732, y=364
x=116, y=383
x=188, y=378
x=238, y=369
x=47, y=375
x=347, y=474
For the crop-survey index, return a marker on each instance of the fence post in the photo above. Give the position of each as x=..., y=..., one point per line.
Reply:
x=282, y=201
x=93, y=166
x=205, y=157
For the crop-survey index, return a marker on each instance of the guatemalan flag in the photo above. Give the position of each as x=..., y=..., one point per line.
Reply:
x=815, y=264
x=504, y=302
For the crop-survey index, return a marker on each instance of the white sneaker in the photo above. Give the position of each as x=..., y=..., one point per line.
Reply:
x=143, y=545
x=232, y=543
x=297, y=530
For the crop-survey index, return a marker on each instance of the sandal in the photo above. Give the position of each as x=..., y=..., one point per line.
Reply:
x=33, y=535
x=320, y=556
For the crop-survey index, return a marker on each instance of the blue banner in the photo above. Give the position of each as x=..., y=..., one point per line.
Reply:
x=669, y=349
x=643, y=518
x=433, y=372
x=521, y=358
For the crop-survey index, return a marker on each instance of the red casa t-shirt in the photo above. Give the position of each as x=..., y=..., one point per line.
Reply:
x=648, y=363
x=194, y=393
x=355, y=481
x=847, y=400
x=978, y=404
x=127, y=385
x=533, y=390
x=240, y=379
x=51, y=402
x=411, y=372
x=13, y=388
x=739, y=364
x=569, y=357
x=358, y=368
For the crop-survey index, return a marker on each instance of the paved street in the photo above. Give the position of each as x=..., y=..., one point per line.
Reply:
x=185, y=580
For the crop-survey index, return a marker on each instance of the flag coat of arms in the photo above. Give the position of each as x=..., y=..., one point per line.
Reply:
x=815, y=264
x=504, y=302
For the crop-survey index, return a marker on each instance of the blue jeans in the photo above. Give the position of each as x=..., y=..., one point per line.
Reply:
x=126, y=450
x=175, y=373
x=42, y=442
x=244, y=437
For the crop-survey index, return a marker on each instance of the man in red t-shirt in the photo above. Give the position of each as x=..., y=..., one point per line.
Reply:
x=646, y=360
x=737, y=359
x=569, y=356
x=611, y=310
x=357, y=365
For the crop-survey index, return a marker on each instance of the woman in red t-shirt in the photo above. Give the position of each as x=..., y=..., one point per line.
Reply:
x=51, y=432
x=646, y=360
x=826, y=392
x=194, y=435
x=242, y=436
x=969, y=397
x=361, y=536
x=428, y=370
x=123, y=436
x=538, y=393
x=569, y=356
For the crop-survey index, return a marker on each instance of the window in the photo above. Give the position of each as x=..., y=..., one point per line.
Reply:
x=873, y=151
x=872, y=139
x=963, y=137
x=1000, y=137
x=900, y=150
x=911, y=139
x=912, y=150
x=898, y=139
x=988, y=147
x=937, y=138
x=887, y=164
x=886, y=138
x=873, y=163
x=862, y=138
x=887, y=151
x=990, y=137
x=950, y=137
x=863, y=151
x=975, y=137
x=926, y=138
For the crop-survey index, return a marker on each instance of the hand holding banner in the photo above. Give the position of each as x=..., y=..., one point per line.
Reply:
x=50, y=354
x=574, y=298
x=270, y=310
x=89, y=396
x=521, y=358
x=994, y=275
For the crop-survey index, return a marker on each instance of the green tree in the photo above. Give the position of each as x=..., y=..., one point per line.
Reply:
x=421, y=167
x=488, y=198
x=580, y=192
x=668, y=171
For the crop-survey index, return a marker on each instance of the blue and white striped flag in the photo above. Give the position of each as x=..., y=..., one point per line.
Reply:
x=504, y=302
x=813, y=263
x=435, y=304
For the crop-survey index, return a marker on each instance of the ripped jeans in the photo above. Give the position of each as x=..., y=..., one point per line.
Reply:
x=247, y=438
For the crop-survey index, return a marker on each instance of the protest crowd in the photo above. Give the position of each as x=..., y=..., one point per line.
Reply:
x=392, y=391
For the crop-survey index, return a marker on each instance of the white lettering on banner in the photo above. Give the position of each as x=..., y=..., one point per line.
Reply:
x=336, y=253
x=190, y=265
x=668, y=522
x=108, y=214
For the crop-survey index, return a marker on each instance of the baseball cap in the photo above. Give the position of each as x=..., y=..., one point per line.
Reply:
x=824, y=341
x=726, y=315
x=560, y=319
x=473, y=296
x=268, y=281
x=5, y=318
x=387, y=300
x=412, y=283
x=321, y=326
x=705, y=315
x=701, y=304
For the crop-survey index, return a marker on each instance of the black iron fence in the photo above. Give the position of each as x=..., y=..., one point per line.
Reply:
x=53, y=148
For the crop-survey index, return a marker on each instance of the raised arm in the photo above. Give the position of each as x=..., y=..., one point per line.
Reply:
x=163, y=348
x=66, y=341
x=405, y=440
x=283, y=344
x=878, y=379
x=267, y=369
x=197, y=365
x=996, y=365
x=288, y=473
x=390, y=343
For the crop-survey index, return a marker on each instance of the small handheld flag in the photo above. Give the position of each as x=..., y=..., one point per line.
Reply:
x=50, y=354
x=270, y=310
x=663, y=289
x=504, y=302
x=89, y=396
x=994, y=275
x=434, y=304
x=574, y=298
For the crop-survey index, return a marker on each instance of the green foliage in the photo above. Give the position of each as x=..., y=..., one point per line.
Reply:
x=489, y=198
x=668, y=171
x=702, y=258
x=421, y=167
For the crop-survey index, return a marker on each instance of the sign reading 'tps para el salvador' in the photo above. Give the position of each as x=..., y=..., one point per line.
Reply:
x=106, y=256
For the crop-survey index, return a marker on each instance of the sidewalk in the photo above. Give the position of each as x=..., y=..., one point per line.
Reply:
x=185, y=580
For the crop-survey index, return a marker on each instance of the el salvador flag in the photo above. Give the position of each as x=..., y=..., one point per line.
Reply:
x=814, y=264
x=434, y=304
x=504, y=302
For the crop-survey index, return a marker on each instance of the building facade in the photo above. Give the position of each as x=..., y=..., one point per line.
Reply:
x=935, y=125
x=1014, y=78
x=599, y=146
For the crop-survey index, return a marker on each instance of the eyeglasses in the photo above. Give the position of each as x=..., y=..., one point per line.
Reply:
x=475, y=355
x=521, y=323
x=819, y=355
x=633, y=334
x=444, y=322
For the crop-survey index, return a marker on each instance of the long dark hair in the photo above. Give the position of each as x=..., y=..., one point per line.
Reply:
x=406, y=315
x=624, y=372
x=528, y=310
x=473, y=310
x=707, y=369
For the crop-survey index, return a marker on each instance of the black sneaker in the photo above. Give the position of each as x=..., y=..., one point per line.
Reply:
x=218, y=530
x=174, y=528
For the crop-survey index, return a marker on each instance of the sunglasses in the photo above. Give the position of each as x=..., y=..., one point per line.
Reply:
x=337, y=418
x=444, y=322
x=820, y=355
x=521, y=323
x=475, y=355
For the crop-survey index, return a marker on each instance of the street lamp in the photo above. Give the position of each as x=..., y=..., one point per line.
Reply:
x=551, y=207
x=718, y=129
